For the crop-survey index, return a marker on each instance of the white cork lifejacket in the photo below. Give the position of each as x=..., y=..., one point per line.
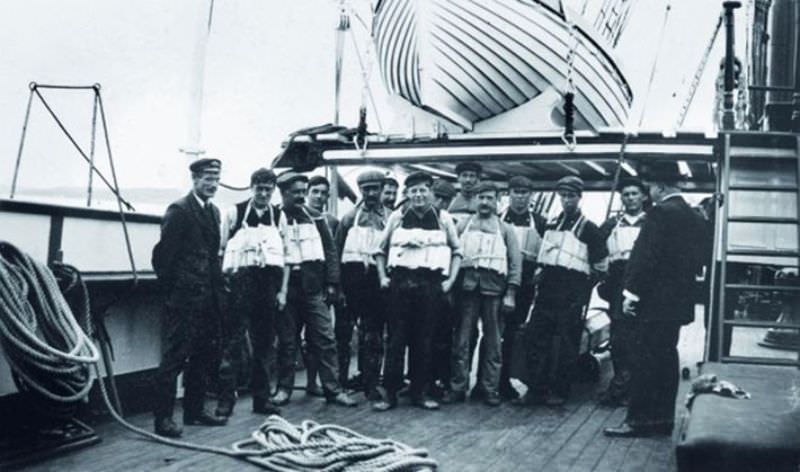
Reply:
x=417, y=248
x=621, y=240
x=361, y=243
x=258, y=246
x=303, y=242
x=528, y=238
x=564, y=249
x=484, y=250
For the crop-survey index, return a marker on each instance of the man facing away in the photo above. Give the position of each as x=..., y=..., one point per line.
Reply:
x=314, y=278
x=357, y=240
x=621, y=232
x=658, y=290
x=418, y=261
x=528, y=228
x=186, y=261
x=573, y=256
x=491, y=270
x=254, y=262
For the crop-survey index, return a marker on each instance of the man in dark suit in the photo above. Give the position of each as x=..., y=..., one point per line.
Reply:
x=659, y=283
x=186, y=261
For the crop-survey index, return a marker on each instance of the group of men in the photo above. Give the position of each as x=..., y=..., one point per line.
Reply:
x=419, y=278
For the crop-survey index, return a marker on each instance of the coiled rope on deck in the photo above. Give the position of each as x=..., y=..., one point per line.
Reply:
x=49, y=350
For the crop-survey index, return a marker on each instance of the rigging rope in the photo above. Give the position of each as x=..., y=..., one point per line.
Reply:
x=655, y=62
x=568, y=136
x=52, y=353
x=698, y=75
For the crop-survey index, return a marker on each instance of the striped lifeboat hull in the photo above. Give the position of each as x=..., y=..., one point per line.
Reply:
x=469, y=61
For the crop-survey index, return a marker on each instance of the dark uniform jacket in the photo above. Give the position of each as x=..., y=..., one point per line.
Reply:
x=186, y=258
x=669, y=251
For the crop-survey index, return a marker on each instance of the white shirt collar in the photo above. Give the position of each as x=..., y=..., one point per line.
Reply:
x=200, y=200
x=633, y=219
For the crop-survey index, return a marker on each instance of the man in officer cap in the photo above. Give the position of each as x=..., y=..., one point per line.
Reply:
x=621, y=232
x=491, y=270
x=186, y=261
x=572, y=257
x=357, y=240
x=418, y=260
x=659, y=279
x=253, y=260
x=528, y=227
x=465, y=203
x=310, y=254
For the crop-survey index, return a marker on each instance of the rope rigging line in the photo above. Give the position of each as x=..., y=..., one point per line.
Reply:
x=568, y=136
x=617, y=173
x=35, y=90
x=52, y=354
x=698, y=74
x=655, y=62
x=91, y=152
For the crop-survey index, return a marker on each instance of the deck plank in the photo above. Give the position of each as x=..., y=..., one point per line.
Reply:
x=461, y=437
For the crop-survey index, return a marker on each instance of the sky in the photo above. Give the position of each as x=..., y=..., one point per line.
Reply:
x=269, y=70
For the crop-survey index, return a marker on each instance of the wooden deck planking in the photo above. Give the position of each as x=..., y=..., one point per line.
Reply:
x=461, y=437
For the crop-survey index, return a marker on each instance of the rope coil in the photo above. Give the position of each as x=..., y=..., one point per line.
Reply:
x=52, y=354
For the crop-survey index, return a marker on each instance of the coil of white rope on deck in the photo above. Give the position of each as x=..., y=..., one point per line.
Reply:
x=41, y=339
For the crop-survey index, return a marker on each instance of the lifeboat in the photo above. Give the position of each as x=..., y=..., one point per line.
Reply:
x=471, y=62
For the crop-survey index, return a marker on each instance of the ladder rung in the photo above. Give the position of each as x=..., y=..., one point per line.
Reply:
x=762, y=219
x=761, y=324
x=763, y=288
x=762, y=188
x=743, y=152
x=760, y=360
x=762, y=252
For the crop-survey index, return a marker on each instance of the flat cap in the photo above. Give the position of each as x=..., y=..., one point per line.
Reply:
x=370, y=177
x=468, y=166
x=660, y=171
x=485, y=186
x=444, y=189
x=206, y=164
x=262, y=176
x=520, y=181
x=570, y=183
x=418, y=177
x=289, y=177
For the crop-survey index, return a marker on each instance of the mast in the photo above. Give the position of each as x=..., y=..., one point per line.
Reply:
x=193, y=139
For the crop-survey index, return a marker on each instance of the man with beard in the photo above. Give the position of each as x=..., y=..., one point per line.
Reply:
x=254, y=261
x=621, y=232
x=658, y=286
x=491, y=271
x=314, y=278
x=465, y=203
x=357, y=241
x=186, y=261
x=528, y=228
x=389, y=192
x=573, y=256
x=420, y=249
